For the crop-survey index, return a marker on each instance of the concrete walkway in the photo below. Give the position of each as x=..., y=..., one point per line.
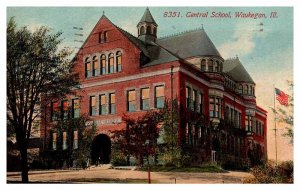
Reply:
x=106, y=175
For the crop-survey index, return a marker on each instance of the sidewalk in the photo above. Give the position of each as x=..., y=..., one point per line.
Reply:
x=105, y=175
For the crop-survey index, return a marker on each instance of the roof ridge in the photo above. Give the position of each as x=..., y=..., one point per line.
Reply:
x=179, y=33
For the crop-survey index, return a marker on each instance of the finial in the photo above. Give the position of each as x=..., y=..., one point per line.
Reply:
x=237, y=57
x=103, y=12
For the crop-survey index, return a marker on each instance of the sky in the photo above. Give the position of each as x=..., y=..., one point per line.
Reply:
x=264, y=46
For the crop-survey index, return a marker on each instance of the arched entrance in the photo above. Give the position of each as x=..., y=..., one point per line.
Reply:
x=101, y=149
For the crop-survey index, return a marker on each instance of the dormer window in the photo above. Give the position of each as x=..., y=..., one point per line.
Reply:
x=102, y=37
x=142, y=30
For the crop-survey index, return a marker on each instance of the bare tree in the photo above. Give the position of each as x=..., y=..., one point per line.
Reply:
x=35, y=67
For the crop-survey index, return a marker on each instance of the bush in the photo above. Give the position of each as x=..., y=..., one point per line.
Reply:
x=270, y=173
x=118, y=159
x=175, y=158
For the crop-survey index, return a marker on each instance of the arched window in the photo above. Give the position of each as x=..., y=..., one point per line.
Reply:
x=103, y=65
x=217, y=66
x=111, y=63
x=154, y=31
x=102, y=37
x=250, y=90
x=87, y=68
x=119, y=61
x=142, y=30
x=203, y=65
x=95, y=66
x=148, y=30
x=210, y=65
x=240, y=89
x=246, y=89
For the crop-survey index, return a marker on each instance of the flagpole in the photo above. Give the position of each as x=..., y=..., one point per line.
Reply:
x=275, y=126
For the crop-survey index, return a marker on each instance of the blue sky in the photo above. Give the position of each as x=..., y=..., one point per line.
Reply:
x=267, y=54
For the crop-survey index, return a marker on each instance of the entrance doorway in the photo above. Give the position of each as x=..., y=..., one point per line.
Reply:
x=101, y=149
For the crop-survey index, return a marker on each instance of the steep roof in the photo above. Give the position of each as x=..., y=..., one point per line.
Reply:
x=234, y=68
x=147, y=17
x=190, y=44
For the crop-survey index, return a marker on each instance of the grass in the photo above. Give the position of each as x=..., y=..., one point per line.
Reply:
x=193, y=169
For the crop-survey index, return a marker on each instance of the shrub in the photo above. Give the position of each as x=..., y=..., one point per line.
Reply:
x=270, y=173
x=118, y=159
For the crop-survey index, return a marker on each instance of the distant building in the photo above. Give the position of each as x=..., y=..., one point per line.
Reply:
x=120, y=73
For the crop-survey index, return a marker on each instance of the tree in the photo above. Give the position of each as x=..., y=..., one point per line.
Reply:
x=35, y=67
x=285, y=114
x=140, y=135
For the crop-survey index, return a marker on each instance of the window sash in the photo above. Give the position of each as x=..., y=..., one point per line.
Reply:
x=65, y=146
x=145, y=104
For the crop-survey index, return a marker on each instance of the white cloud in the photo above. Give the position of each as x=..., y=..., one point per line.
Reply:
x=242, y=41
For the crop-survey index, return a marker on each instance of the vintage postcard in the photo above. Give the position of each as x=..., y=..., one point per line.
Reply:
x=164, y=95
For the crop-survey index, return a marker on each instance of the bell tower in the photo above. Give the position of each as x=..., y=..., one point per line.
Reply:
x=147, y=27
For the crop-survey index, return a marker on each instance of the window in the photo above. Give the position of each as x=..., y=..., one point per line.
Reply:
x=112, y=103
x=65, y=141
x=227, y=114
x=236, y=119
x=75, y=108
x=248, y=123
x=148, y=30
x=154, y=31
x=99, y=37
x=92, y=105
x=210, y=65
x=217, y=66
x=102, y=104
x=159, y=96
x=145, y=98
x=54, y=111
x=142, y=30
x=105, y=37
x=200, y=103
x=203, y=65
x=215, y=107
x=64, y=109
x=131, y=101
x=111, y=63
x=188, y=134
x=95, y=66
x=103, y=65
x=87, y=68
x=75, y=140
x=250, y=90
x=240, y=89
x=188, y=97
x=119, y=61
x=193, y=103
x=246, y=89
x=54, y=141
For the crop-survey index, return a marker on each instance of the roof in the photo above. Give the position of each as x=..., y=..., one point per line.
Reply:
x=190, y=44
x=234, y=68
x=147, y=17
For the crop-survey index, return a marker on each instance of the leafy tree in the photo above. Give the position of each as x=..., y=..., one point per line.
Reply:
x=285, y=114
x=35, y=67
x=139, y=137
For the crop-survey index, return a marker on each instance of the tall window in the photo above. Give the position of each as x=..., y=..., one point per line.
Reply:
x=92, y=105
x=65, y=146
x=193, y=103
x=236, y=119
x=88, y=72
x=188, y=97
x=119, y=61
x=103, y=65
x=64, y=109
x=248, y=123
x=111, y=63
x=246, y=89
x=54, y=111
x=159, y=96
x=215, y=107
x=75, y=140
x=131, y=101
x=99, y=37
x=200, y=103
x=102, y=104
x=148, y=30
x=145, y=98
x=188, y=134
x=105, y=37
x=54, y=141
x=227, y=114
x=210, y=65
x=240, y=89
x=95, y=66
x=142, y=30
x=75, y=108
x=217, y=66
x=112, y=103
x=203, y=65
